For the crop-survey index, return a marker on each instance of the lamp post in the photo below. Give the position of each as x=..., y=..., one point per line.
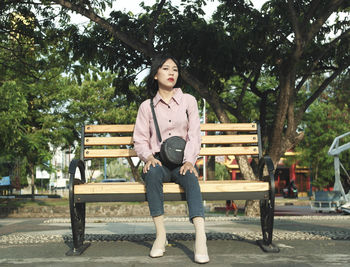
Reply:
x=205, y=133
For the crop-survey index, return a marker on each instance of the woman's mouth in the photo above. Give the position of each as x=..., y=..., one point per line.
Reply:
x=171, y=79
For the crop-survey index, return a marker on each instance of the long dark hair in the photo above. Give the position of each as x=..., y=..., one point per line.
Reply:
x=157, y=62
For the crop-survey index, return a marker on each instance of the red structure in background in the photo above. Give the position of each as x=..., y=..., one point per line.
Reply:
x=283, y=175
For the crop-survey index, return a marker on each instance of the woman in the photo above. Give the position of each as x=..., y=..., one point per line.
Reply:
x=177, y=115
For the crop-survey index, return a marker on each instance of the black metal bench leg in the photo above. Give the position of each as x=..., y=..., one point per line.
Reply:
x=267, y=207
x=77, y=210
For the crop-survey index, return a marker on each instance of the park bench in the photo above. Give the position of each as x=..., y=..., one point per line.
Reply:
x=115, y=141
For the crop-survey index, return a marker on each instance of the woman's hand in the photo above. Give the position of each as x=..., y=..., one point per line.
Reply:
x=151, y=161
x=188, y=166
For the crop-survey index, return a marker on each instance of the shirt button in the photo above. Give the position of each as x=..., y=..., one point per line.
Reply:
x=169, y=133
x=169, y=120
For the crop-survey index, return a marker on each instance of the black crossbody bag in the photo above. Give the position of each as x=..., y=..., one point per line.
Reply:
x=172, y=149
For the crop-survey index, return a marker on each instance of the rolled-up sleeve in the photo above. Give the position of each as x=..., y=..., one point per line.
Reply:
x=193, y=144
x=141, y=136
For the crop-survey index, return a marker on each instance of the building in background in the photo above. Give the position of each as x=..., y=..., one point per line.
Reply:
x=59, y=164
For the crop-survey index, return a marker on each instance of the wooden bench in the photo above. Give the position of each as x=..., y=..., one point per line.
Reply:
x=115, y=141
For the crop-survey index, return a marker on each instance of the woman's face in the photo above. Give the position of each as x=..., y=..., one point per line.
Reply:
x=167, y=75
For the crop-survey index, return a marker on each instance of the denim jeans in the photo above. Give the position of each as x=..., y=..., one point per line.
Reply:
x=154, y=179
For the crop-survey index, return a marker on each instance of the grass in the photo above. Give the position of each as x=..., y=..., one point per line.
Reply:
x=54, y=202
x=59, y=202
x=21, y=203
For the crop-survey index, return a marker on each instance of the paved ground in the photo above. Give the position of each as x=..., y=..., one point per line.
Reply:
x=303, y=241
x=222, y=253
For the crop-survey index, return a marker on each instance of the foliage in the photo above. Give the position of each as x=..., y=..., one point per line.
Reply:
x=221, y=172
x=116, y=169
x=255, y=65
x=28, y=121
x=285, y=44
x=94, y=101
x=13, y=109
x=38, y=105
x=285, y=41
x=327, y=118
x=30, y=63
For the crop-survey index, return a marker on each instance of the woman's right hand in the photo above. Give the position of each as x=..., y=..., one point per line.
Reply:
x=151, y=160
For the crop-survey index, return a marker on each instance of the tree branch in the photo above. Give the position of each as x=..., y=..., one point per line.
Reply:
x=319, y=91
x=253, y=83
x=234, y=111
x=296, y=29
x=311, y=12
x=316, y=26
x=90, y=14
x=153, y=24
x=330, y=45
x=211, y=96
x=244, y=89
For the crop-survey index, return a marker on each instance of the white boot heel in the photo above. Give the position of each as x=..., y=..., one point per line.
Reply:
x=158, y=252
x=201, y=258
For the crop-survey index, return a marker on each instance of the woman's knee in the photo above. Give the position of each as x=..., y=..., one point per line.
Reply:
x=189, y=180
x=153, y=175
x=191, y=177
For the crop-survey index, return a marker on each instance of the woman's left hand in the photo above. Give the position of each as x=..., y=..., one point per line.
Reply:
x=188, y=166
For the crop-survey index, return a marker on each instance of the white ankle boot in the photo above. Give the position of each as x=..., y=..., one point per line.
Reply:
x=158, y=252
x=200, y=258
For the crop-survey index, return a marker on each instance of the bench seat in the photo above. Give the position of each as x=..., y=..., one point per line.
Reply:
x=136, y=191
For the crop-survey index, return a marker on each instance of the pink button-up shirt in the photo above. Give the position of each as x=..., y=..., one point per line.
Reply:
x=172, y=120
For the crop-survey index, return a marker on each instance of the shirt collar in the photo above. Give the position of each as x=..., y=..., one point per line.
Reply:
x=177, y=96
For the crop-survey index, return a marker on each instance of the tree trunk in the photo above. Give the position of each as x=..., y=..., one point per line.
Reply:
x=252, y=208
x=32, y=181
x=134, y=170
x=211, y=168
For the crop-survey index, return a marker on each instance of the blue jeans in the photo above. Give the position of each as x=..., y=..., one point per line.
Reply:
x=154, y=179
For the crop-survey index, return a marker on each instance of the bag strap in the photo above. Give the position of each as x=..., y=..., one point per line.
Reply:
x=155, y=121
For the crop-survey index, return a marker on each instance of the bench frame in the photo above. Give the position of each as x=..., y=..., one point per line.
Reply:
x=172, y=192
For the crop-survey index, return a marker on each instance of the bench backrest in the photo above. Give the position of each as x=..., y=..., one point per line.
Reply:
x=115, y=141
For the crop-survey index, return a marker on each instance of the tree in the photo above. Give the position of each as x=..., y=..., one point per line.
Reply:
x=28, y=92
x=94, y=101
x=32, y=126
x=287, y=41
x=326, y=119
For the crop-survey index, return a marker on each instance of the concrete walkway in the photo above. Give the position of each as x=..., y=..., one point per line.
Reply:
x=303, y=241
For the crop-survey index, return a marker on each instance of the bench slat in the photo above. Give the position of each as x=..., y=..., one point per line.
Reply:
x=171, y=188
x=205, y=151
x=207, y=139
x=128, y=128
x=227, y=151
x=113, y=128
x=108, y=141
x=230, y=139
x=229, y=127
x=109, y=153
